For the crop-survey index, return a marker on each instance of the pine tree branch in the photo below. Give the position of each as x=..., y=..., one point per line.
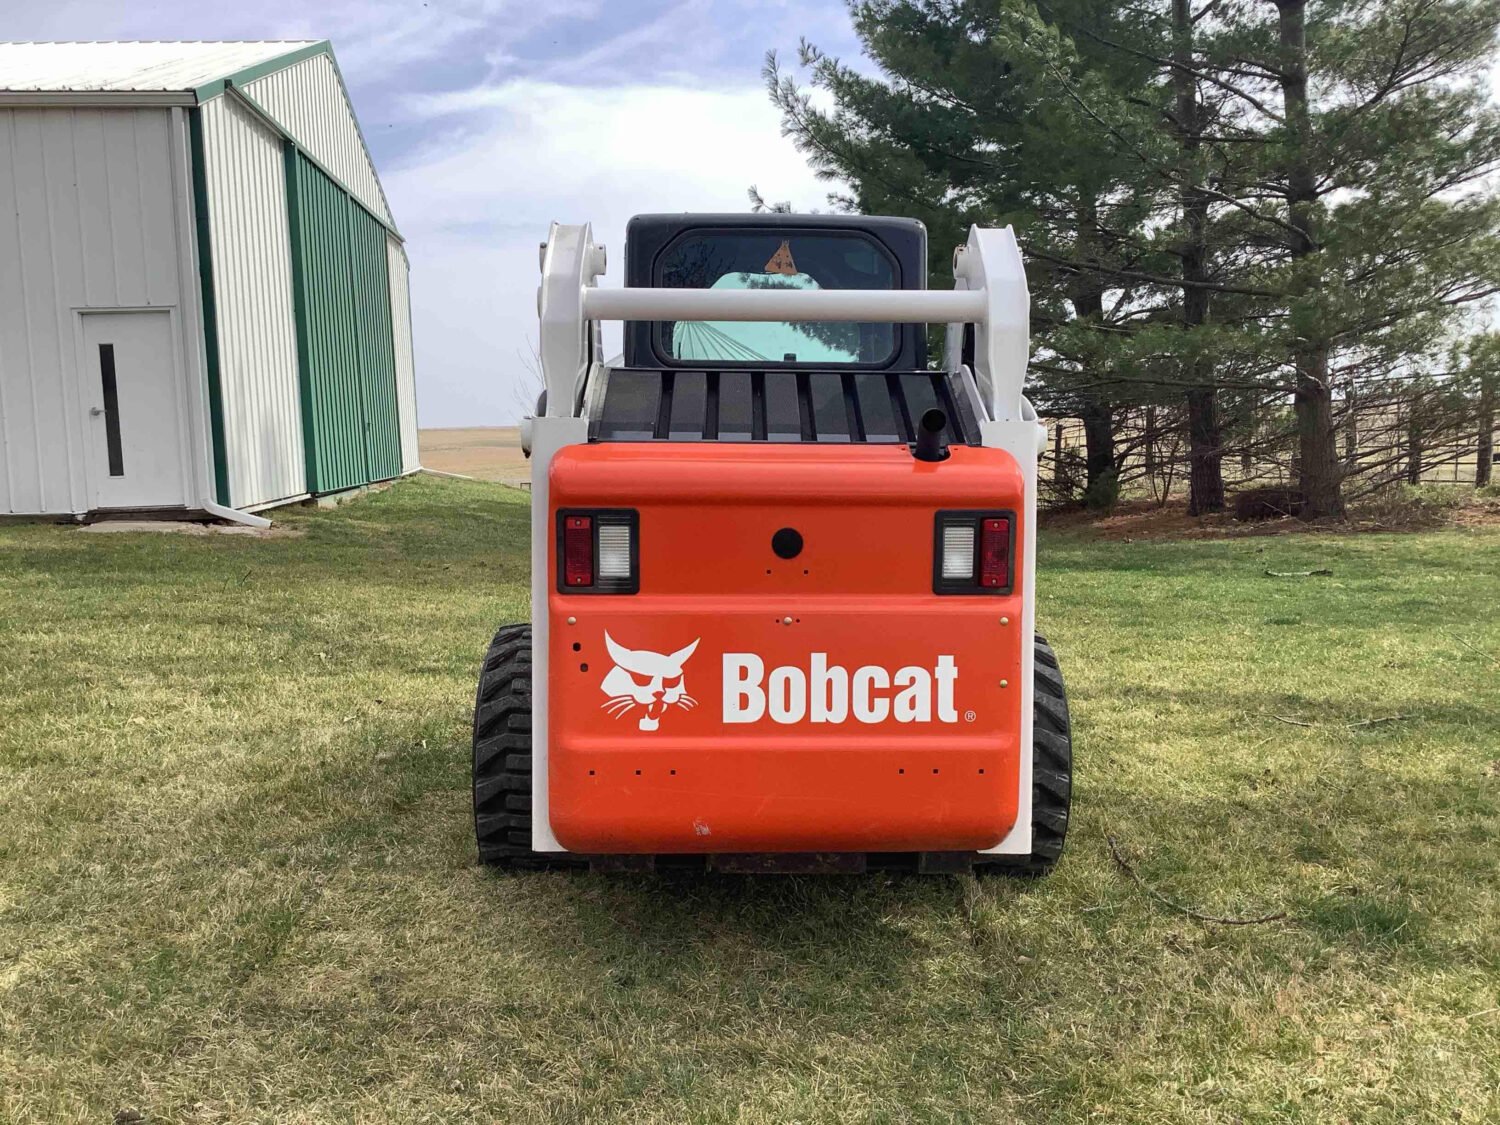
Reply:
x=1174, y=64
x=1206, y=10
x=1441, y=60
x=1272, y=386
x=1148, y=278
x=1168, y=174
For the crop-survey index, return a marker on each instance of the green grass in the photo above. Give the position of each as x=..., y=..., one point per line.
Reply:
x=237, y=878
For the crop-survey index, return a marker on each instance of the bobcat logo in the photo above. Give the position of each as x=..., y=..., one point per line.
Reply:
x=645, y=679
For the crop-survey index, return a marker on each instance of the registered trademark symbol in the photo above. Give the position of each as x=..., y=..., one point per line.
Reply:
x=969, y=716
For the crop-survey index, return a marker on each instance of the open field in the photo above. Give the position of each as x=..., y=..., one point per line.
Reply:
x=237, y=878
x=484, y=452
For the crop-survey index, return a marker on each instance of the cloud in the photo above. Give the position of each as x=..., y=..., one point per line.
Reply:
x=378, y=35
x=657, y=42
x=504, y=161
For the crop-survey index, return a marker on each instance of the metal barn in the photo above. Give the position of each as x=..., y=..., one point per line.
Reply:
x=203, y=294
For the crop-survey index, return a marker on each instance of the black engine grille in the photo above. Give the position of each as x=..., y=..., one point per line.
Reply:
x=651, y=404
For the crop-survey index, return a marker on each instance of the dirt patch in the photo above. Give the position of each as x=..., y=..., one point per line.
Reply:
x=1146, y=520
x=483, y=452
x=1143, y=519
x=186, y=527
x=1477, y=516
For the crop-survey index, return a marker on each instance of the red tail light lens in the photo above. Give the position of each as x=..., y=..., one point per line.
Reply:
x=578, y=551
x=994, y=554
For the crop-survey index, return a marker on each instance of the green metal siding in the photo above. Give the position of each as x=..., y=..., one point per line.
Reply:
x=345, y=347
x=372, y=300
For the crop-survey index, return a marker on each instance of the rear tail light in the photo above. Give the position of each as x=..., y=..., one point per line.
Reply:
x=598, y=551
x=974, y=553
x=994, y=553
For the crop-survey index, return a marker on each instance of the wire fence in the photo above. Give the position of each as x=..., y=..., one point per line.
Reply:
x=1385, y=436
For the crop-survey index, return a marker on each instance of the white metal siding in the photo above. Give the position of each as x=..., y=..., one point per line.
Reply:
x=309, y=101
x=406, y=373
x=252, y=271
x=87, y=219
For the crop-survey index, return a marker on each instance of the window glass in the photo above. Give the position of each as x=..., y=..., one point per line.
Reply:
x=772, y=259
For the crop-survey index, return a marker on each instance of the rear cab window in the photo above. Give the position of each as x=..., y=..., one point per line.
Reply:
x=773, y=258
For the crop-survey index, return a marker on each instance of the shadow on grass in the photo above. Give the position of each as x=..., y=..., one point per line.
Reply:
x=832, y=952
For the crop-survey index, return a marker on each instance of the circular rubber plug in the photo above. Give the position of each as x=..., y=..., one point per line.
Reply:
x=787, y=543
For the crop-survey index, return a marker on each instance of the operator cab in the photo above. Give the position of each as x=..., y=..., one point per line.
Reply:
x=805, y=252
x=775, y=381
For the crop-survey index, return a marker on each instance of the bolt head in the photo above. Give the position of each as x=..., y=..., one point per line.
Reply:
x=1005, y=683
x=1005, y=621
x=572, y=621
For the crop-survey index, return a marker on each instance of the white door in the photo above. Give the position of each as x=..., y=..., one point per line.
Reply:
x=135, y=423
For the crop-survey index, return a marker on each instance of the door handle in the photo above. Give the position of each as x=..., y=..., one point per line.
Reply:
x=95, y=411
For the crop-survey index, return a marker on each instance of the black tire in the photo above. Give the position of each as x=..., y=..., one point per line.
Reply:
x=502, y=753
x=1051, y=769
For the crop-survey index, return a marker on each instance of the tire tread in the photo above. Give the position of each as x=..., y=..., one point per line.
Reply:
x=502, y=754
x=1051, y=769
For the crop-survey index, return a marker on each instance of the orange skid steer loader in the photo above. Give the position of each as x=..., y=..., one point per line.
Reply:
x=782, y=567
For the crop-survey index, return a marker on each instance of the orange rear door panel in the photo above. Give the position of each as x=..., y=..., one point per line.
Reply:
x=651, y=757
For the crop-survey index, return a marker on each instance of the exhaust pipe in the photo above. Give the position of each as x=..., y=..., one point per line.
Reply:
x=930, y=445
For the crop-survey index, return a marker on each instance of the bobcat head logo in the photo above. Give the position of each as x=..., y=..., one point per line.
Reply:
x=645, y=679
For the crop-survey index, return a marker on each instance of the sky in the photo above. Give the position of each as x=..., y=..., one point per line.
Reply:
x=489, y=119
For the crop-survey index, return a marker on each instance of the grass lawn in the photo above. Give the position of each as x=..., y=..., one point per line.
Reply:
x=237, y=878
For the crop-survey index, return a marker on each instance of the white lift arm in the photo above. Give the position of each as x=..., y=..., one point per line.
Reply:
x=990, y=293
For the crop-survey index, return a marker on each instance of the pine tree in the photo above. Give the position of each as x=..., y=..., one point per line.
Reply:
x=1205, y=436
x=1197, y=118
x=1259, y=197
x=1379, y=132
x=970, y=123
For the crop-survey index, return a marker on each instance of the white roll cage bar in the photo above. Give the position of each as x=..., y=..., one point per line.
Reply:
x=989, y=292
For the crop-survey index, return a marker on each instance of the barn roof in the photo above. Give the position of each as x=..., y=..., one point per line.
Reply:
x=139, y=73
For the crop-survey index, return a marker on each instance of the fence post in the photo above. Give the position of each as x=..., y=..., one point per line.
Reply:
x=1413, y=442
x=1485, y=450
x=1060, y=477
x=1351, y=430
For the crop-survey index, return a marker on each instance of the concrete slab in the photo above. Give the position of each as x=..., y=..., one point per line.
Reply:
x=185, y=527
